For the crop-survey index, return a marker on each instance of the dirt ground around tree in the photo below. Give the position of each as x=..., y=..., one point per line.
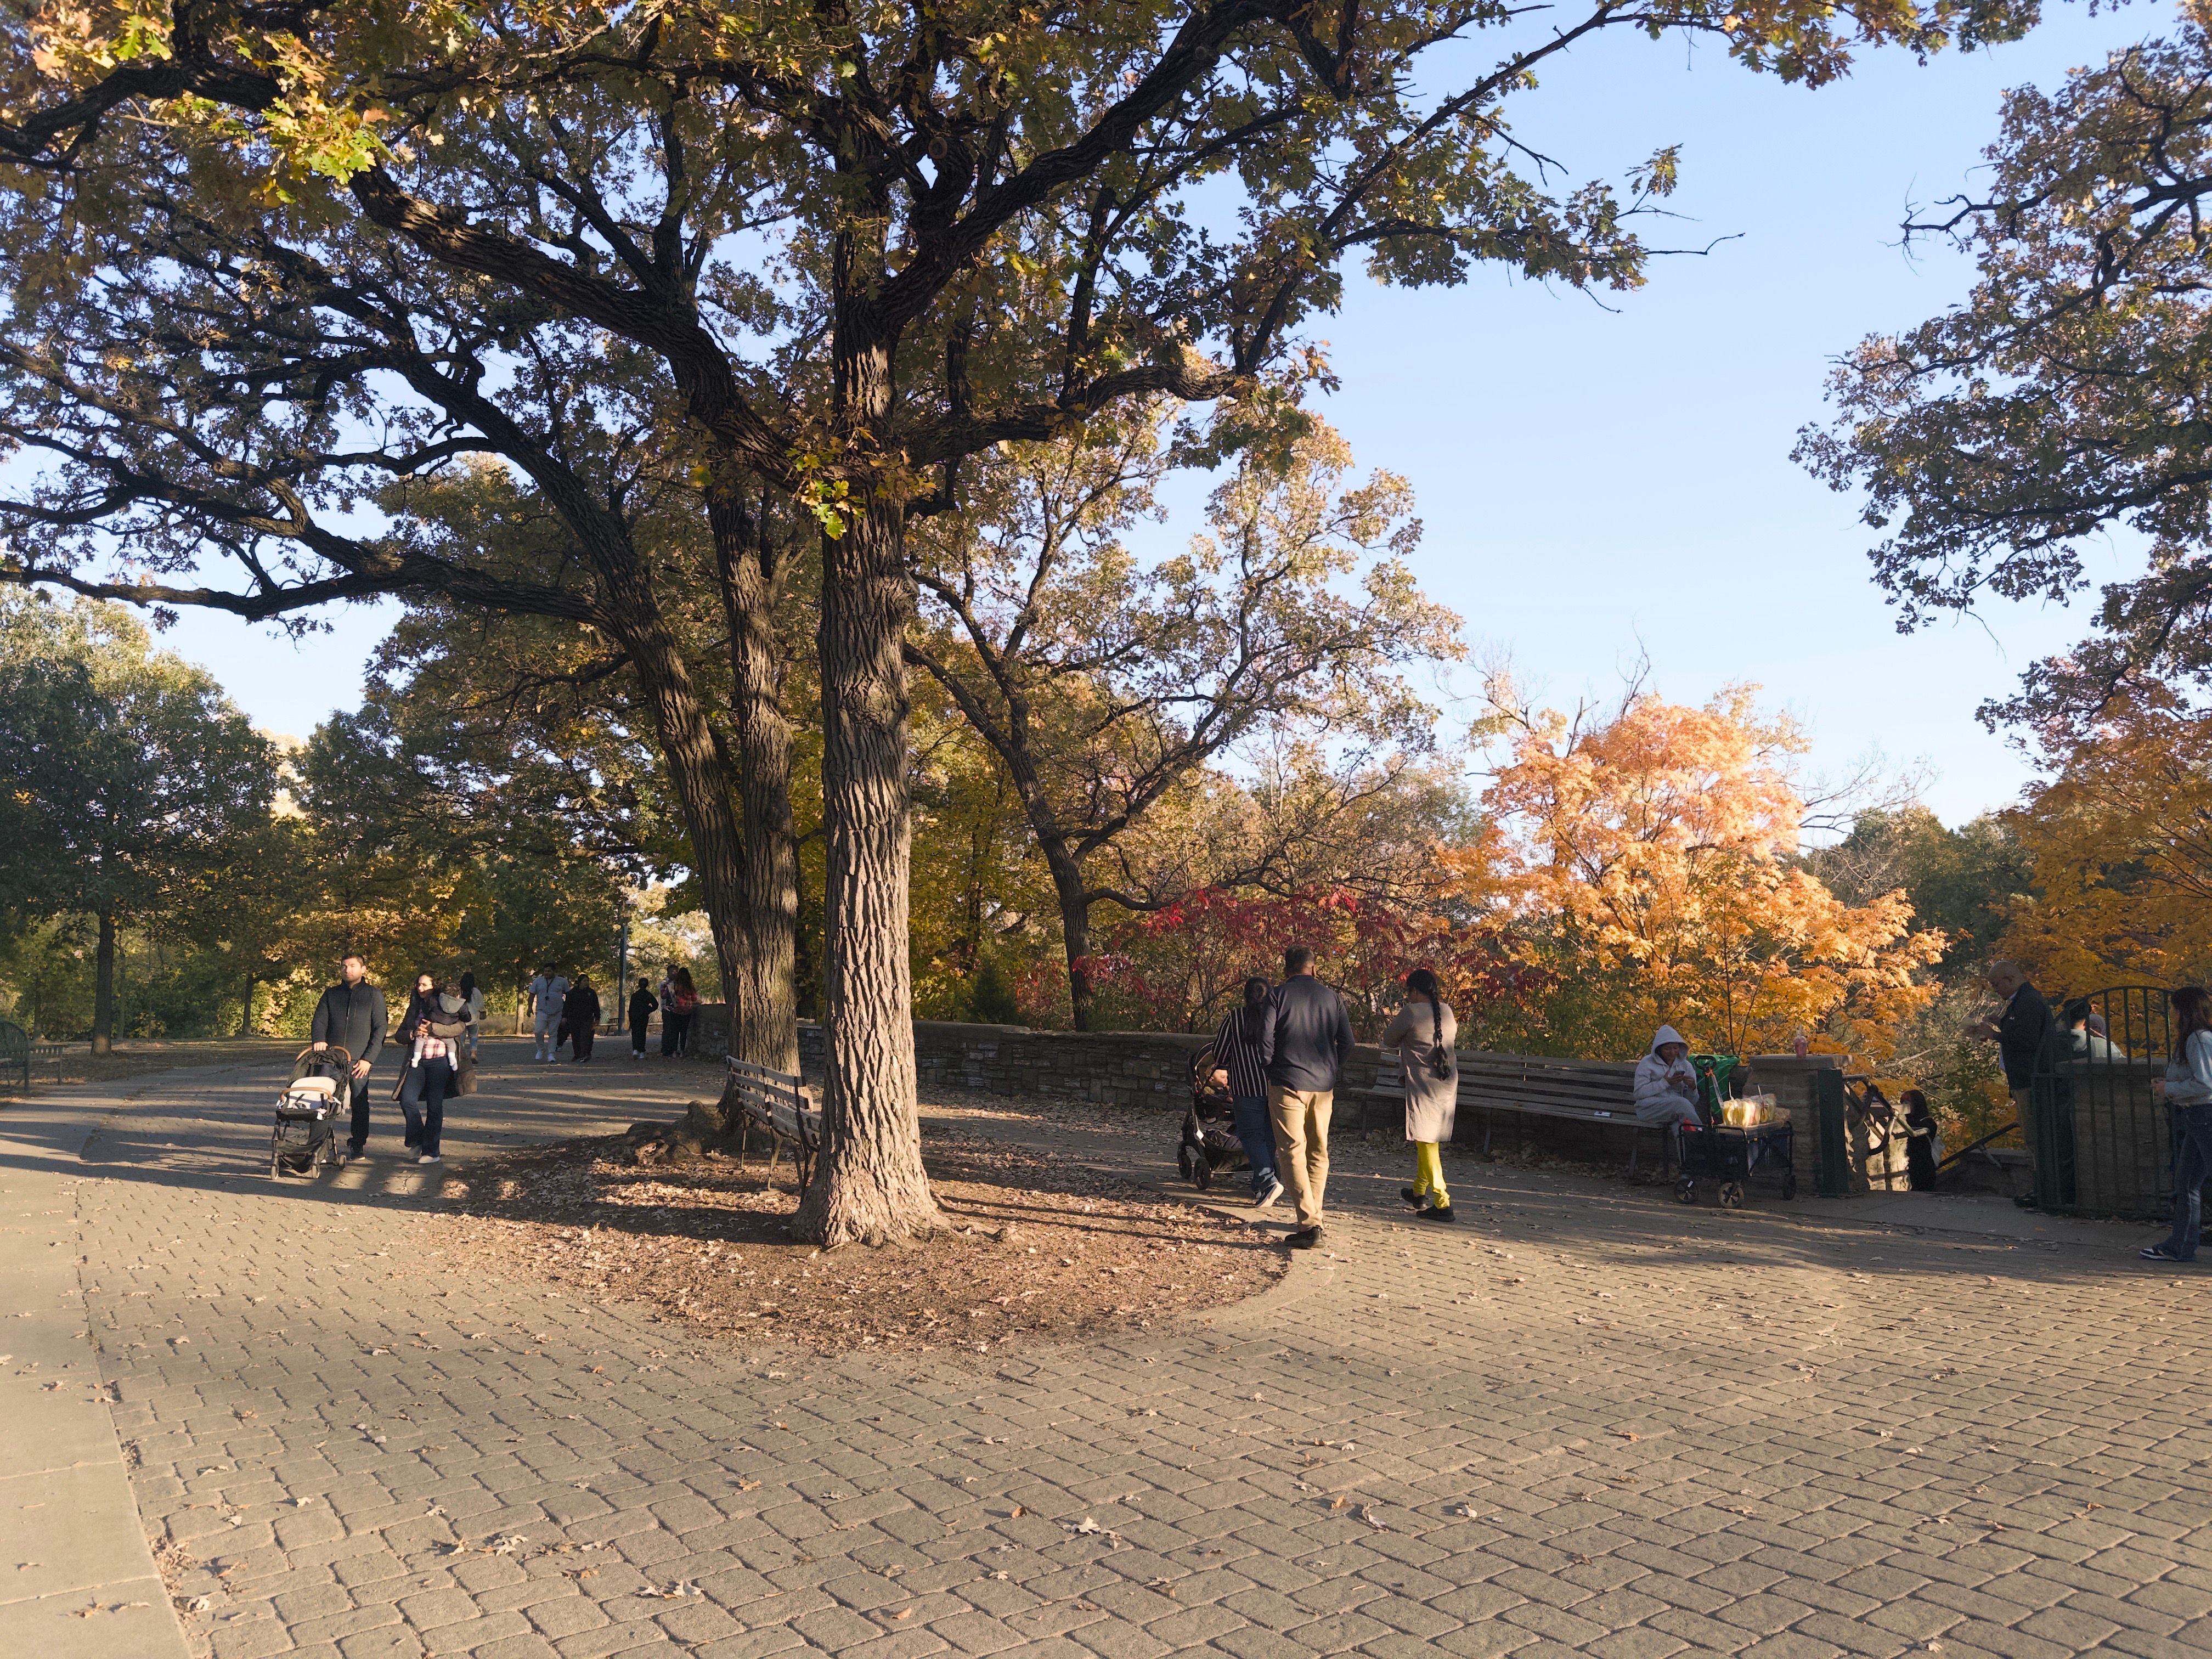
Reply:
x=1044, y=1248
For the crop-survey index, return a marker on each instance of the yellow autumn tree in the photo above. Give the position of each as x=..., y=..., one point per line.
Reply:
x=2119, y=838
x=1655, y=846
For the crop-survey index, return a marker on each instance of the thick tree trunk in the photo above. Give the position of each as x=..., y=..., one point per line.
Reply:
x=1074, y=928
x=246, y=1015
x=764, y=1002
x=695, y=762
x=103, y=987
x=869, y=1185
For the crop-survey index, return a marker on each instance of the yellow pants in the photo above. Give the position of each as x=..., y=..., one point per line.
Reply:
x=1428, y=1174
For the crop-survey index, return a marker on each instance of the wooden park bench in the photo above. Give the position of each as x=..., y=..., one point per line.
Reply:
x=774, y=1103
x=1600, y=1092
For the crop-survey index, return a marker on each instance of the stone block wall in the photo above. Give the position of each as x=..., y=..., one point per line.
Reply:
x=1150, y=1069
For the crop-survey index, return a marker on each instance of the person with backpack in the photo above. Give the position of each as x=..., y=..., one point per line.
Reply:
x=2187, y=1090
x=1238, y=1068
x=1423, y=1031
x=683, y=1004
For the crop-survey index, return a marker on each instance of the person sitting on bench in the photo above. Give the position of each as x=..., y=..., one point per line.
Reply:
x=1666, y=1082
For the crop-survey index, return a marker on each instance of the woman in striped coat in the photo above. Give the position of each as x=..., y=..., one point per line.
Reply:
x=1237, y=1068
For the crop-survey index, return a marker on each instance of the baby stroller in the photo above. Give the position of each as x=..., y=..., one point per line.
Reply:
x=1209, y=1132
x=321, y=1090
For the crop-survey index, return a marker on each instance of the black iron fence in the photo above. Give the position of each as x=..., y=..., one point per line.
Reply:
x=2101, y=1141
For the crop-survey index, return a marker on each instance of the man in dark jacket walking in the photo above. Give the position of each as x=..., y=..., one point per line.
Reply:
x=1303, y=1044
x=352, y=1015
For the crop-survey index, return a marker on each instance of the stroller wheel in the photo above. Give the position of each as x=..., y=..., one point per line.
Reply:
x=1201, y=1171
x=1732, y=1195
x=1182, y=1161
x=1685, y=1190
x=1789, y=1183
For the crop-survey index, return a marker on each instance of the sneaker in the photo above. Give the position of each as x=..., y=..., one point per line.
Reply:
x=1412, y=1195
x=353, y=1155
x=429, y=1157
x=1305, y=1238
x=1268, y=1194
x=2159, y=1253
x=1434, y=1213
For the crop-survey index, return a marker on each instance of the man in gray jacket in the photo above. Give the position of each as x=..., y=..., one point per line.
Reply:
x=1303, y=1044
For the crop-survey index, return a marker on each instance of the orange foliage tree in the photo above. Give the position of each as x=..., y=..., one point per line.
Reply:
x=1655, y=847
x=2119, y=837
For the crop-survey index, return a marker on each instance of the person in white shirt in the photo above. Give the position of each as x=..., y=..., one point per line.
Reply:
x=548, y=994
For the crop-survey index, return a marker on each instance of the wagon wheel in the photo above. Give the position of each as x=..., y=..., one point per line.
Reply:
x=1789, y=1183
x=1732, y=1195
x=1685, y=1190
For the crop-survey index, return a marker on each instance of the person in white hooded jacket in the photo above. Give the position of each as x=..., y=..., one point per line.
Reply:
x=1666, y=1082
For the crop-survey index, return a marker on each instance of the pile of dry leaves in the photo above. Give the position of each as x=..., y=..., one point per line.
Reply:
x=1043, y=1248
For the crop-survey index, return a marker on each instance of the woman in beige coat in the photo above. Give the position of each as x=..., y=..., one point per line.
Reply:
x=1423, y=1030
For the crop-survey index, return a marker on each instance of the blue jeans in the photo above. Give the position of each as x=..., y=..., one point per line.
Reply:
x=2192, y=1167
x=422, y=1099
x=1258, y=1136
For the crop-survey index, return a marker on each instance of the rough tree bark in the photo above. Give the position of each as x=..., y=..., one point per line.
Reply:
x=695, y=763
x=103, y=987
x=869, y=1184
x=764, y=1003
x=1074, y=926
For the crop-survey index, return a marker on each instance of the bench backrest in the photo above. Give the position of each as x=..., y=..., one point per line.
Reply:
x=1535, y=1080
x=777, y=1097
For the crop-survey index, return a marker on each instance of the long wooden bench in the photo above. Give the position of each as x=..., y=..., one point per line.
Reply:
x=774, y=1103
x=1599, y=1092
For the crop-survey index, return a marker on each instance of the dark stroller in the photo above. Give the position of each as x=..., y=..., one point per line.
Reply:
x=1209, y=1131
x=307, y=1113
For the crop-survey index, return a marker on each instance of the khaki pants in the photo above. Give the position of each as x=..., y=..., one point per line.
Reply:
x=1300, y=1118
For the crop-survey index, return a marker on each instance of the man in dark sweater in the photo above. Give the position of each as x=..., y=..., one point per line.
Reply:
x=2021, y=1031
x=352, y=1015
x=1303, y=1044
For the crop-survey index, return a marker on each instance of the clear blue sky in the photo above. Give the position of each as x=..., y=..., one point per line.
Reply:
x=1600, y=484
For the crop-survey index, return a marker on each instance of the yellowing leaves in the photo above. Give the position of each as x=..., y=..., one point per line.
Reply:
x=1655, y=847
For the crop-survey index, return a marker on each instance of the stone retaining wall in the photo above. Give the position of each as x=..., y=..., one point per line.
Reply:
x=1151, y=1070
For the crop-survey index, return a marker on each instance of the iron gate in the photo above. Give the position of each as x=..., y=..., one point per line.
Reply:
x=2102, y=1143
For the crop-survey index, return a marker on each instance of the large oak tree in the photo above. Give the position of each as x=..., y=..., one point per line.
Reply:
x=834, y=250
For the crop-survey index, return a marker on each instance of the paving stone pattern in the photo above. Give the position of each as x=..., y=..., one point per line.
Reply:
x=1584, y=1420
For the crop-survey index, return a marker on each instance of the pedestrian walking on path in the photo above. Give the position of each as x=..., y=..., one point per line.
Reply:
x=352, y=1014
x=2187, y=1090
x=1304, y=1043
x=679, y=1004
x=582, y=1017
x=1238, y=1068
x=436, y=1031
x=549, y=995
x=642, y=1003
x=1423, y=1031
x=474, y=999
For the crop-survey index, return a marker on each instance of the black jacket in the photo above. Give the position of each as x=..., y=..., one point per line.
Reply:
x=643, y=1005
x=1307, y=1036
x=2021, y=1034
x=353, y=1018
x=582, y=1008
